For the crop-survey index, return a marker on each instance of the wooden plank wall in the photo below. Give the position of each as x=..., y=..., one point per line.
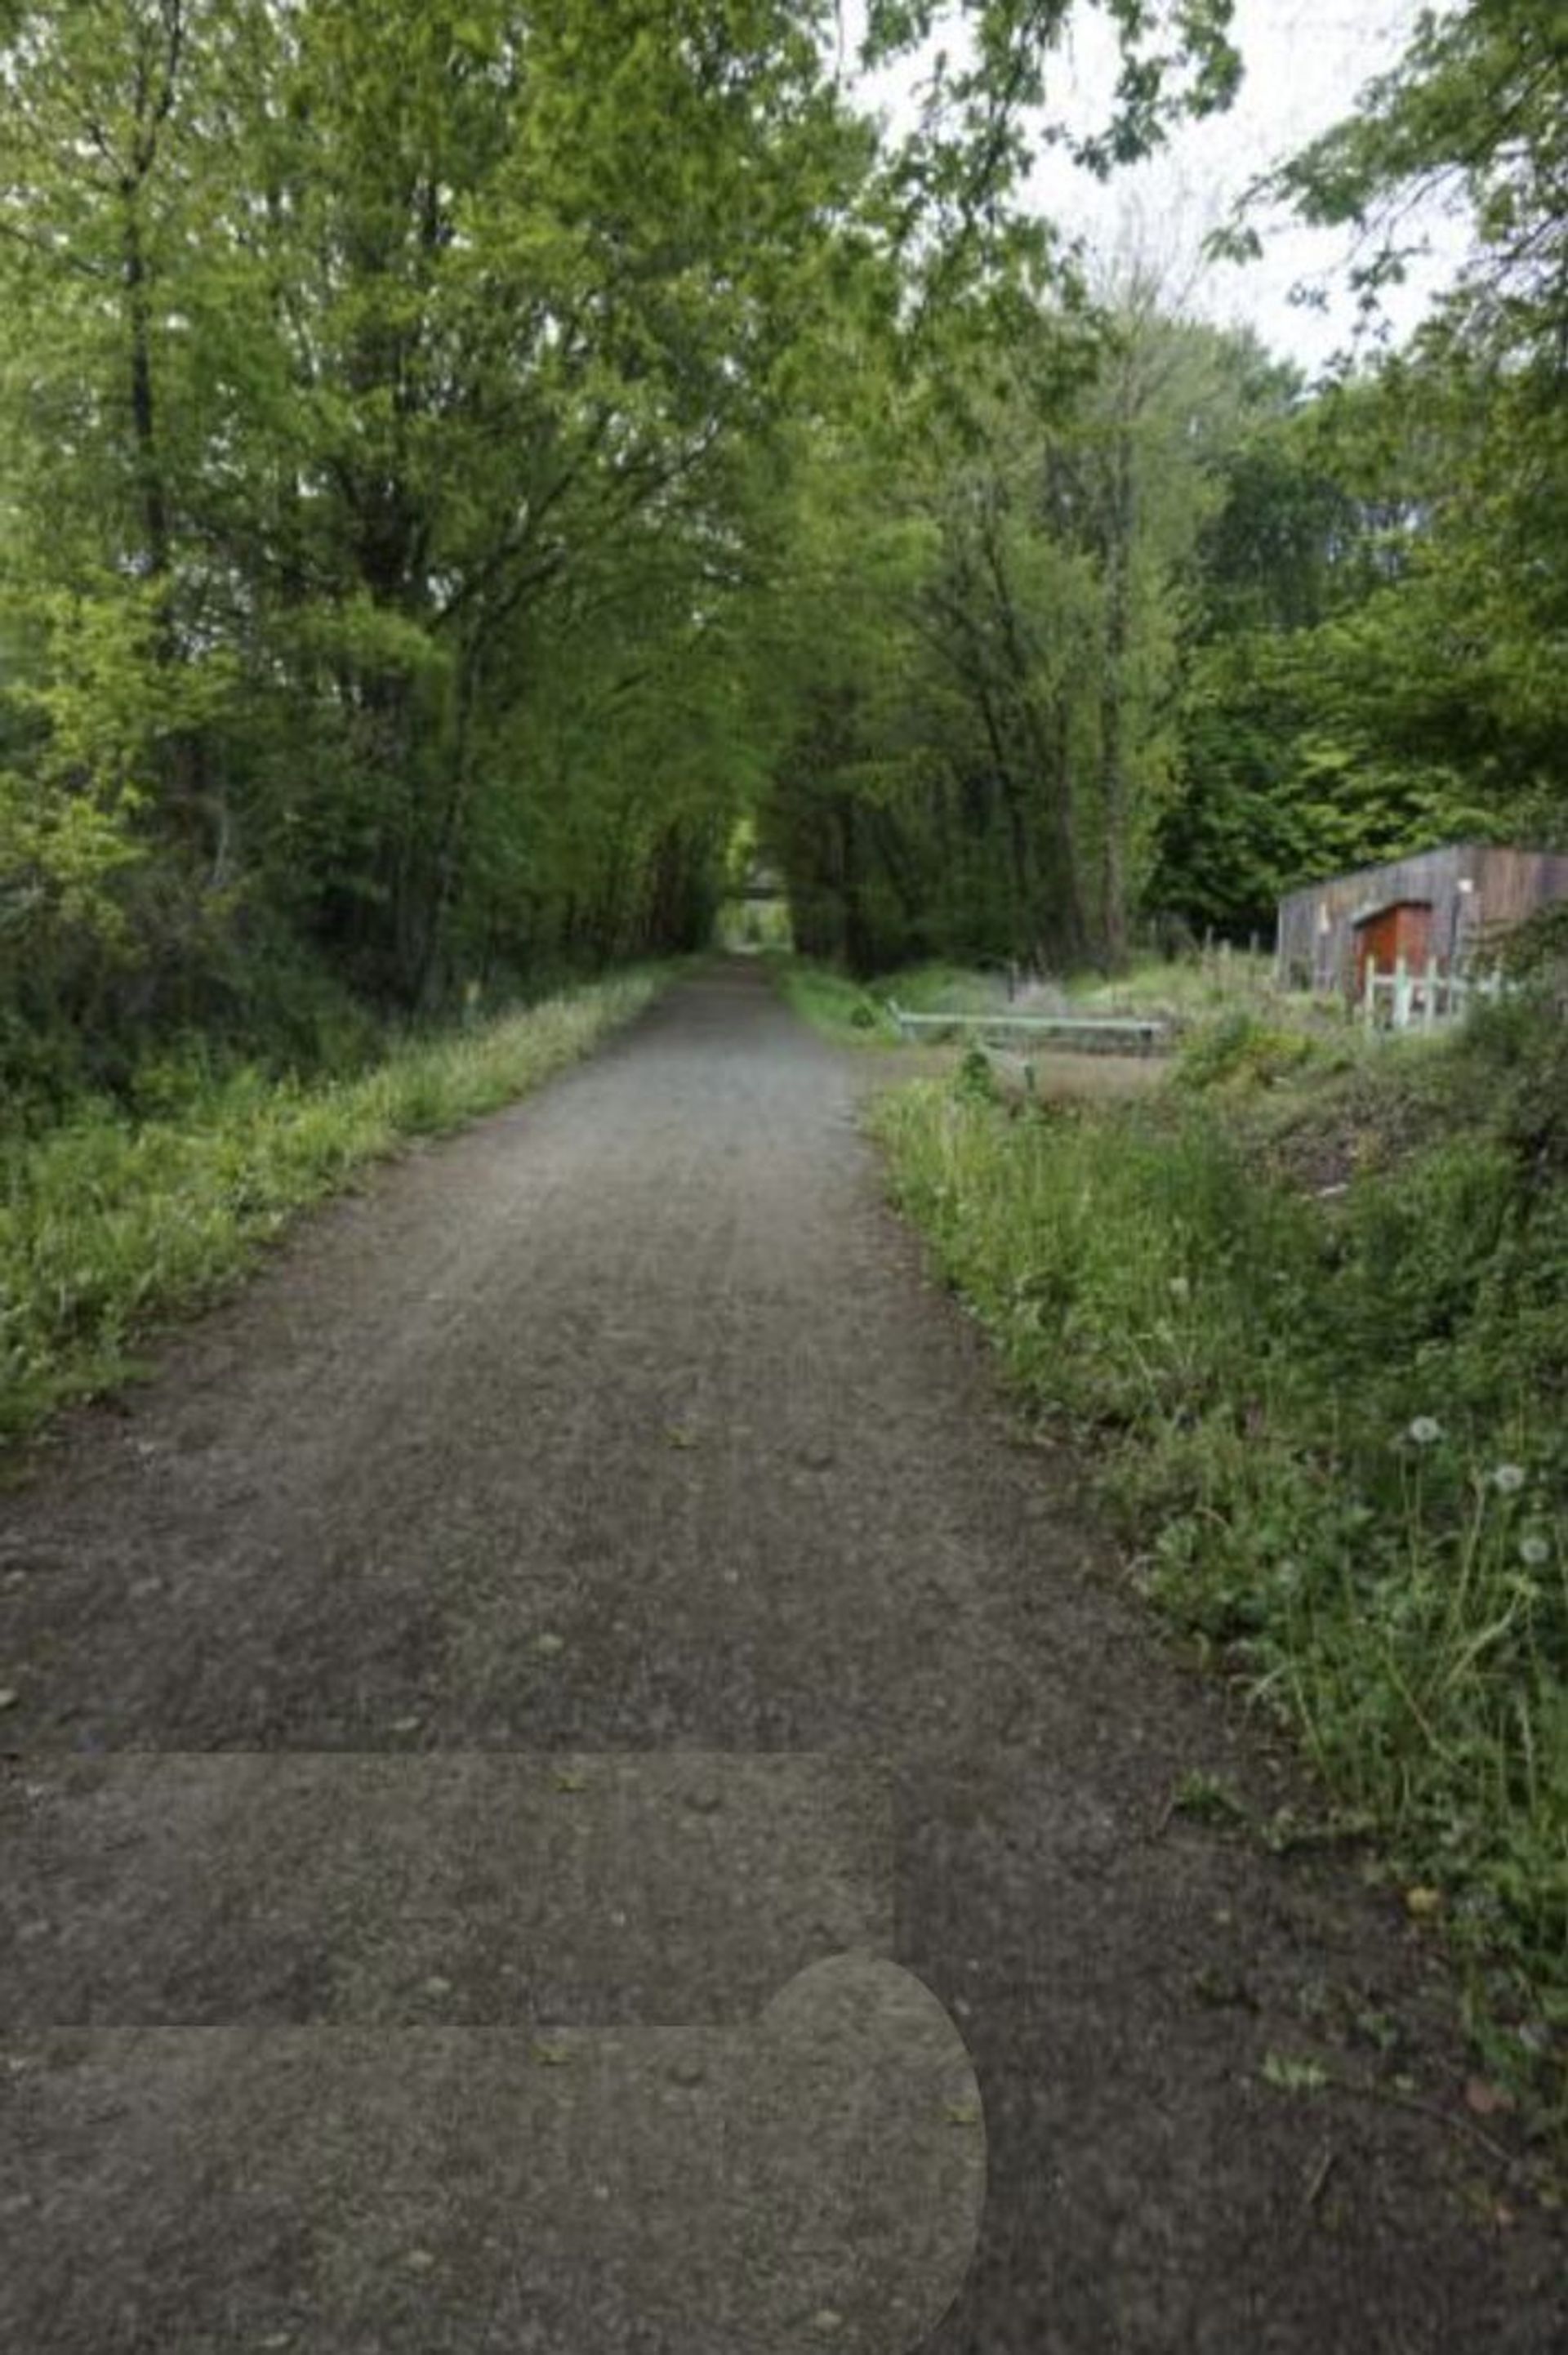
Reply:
x=1509, y=885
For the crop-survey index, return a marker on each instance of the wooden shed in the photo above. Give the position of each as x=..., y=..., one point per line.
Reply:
x=1445, y=904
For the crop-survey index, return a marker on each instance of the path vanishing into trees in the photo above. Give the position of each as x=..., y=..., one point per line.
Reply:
x=576, y=1785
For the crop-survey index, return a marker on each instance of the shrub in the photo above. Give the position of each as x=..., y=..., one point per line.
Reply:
x=1239, y=1051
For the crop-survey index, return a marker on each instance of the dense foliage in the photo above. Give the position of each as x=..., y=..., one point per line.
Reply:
x=1400, y=678
x=1122, y=627
x=398, y=408
x=373, y=381
x=457, y=459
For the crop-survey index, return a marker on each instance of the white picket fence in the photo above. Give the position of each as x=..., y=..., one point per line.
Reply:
x=1423, y=998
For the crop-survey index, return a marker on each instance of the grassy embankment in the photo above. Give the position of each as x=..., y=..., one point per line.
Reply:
x=855, y=1014
x=843, y=1010
x=1192, y=991
x=1308, y=1309
x=111, y=1222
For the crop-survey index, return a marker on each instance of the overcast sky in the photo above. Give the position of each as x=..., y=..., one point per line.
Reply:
x=1305, y=61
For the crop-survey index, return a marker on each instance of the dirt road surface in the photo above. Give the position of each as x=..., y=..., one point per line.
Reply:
x=575, y=1784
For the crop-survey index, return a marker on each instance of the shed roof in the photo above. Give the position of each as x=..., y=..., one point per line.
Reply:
x=1442, y=864
x=1375, y=908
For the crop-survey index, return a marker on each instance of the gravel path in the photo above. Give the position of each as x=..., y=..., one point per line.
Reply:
x=576, y=1786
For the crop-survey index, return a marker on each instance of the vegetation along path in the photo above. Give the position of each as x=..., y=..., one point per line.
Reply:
x=574, y=1783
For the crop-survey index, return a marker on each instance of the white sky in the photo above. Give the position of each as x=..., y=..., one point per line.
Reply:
x=1304, y=64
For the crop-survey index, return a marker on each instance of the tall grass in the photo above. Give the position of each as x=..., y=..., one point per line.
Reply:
x=1332, y=1432
x=1191, y=987
x=842, y=1010
x=856, y=1014
x=108, y=1225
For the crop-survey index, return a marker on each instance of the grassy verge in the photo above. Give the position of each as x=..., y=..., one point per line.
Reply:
x=842, y=1010
x=1196, y=988
x=108, y=1225
x=855, y=1014
x=1197, y=994
x=1309, y=1310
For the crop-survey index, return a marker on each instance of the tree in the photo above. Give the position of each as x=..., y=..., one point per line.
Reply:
x=1430, y=693
x=399, y=411
x=381, y=353
x=1477, y=106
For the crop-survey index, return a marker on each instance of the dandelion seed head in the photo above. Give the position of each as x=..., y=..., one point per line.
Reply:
x=1426, y=1431
x=1534, y=1552
x=1508, y=1479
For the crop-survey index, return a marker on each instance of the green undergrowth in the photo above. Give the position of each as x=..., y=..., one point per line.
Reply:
x=111, y=1222
x=1193, y=988
x=1310, y=1315
x=842, y=1010
x=1230, y=1002
x=938, y=988
x=853, y=1013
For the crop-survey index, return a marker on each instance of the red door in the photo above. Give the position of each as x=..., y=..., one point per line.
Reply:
x=1402, y=931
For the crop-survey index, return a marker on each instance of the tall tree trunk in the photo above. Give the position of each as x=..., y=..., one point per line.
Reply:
x=858, y=954
x=152, y=495
x=425, y=983
x=1069, y=895
x=1120, y=523
x=1047, y=753
x=202, y=829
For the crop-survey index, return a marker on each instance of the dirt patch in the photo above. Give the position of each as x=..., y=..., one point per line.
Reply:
x=625, y=1426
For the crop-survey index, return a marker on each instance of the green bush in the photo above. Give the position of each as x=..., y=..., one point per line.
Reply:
x=1239, y=1051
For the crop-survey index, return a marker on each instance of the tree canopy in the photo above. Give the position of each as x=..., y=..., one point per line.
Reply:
x=459, y=459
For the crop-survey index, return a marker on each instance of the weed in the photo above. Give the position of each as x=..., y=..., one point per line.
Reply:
x=1206, y=1799
x=975, y=1081
x=1239, y=1051
x=1287, y=2075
